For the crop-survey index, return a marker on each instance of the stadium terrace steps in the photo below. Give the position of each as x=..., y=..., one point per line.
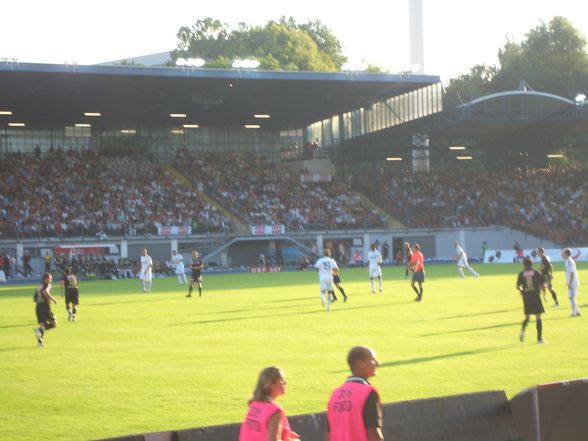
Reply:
x=185, y=181
x=391, y=220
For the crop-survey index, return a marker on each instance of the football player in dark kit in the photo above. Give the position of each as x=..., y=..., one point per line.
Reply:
x=69, y=287
x=196, y=266
x=407, y=258
x=547, y=273
x=529, y=284
x=337, y=283
x=45, y=316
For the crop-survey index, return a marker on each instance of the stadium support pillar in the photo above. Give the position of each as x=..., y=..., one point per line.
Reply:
x=366, y=246
x=19, y=252
x=319, y=244
x=420, y=152
x=124, y=249
x=174, y=245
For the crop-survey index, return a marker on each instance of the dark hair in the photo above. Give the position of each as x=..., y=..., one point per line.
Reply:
x=541, y=250
x=527, y=262
x=356, y=353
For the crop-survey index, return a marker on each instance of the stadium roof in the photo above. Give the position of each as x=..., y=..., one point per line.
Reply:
x=506, y=113
x=43, y=95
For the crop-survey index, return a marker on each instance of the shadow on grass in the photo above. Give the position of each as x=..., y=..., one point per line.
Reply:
x=477, y=314
x=262, y=316
x=427, y=359
x=22, y=325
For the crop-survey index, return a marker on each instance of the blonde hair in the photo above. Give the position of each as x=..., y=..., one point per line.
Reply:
x=266, y=377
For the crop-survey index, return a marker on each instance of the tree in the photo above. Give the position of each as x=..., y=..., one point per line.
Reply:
x=278, y=45
x=476, y=83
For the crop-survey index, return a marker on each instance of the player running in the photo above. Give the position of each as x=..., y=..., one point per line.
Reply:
x=196, y=266
x=45, y=317
x=462, y=261
x=325, y=267
x=337, y=283
x=547, y=273
x=375, y=267
x=417, y=265
x=177, y=262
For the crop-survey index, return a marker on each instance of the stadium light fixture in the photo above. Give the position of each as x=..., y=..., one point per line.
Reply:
x=16, y=124
x=394, y=158
x=457, y=147
x=190, y=62
x=83, y=125
x=252, y=126
x=190, y=126
x=177, y=131
x=262, y=116
x=464, y=158
x=580, y=98
x=555, y=156
x=128, y=131
x=178, y=115
x=92, y=114
x=245, y=64
x=5, y=112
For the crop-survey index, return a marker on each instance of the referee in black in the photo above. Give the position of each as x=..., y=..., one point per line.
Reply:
x=529, y=284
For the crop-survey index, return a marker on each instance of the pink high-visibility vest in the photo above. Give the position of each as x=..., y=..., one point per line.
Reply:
x=345, y=411
x=254, y=427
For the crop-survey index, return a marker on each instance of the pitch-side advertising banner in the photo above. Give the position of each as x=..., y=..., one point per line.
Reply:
x=510, y=256
x=176, y=230
x=268, y=230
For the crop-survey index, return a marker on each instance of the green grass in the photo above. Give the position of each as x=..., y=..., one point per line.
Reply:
x=139, y=363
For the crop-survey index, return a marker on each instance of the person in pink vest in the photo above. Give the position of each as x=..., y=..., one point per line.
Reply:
x=354, y=412
x=266, y=420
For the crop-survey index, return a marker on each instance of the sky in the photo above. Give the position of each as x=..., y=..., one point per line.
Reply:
x=458, y=33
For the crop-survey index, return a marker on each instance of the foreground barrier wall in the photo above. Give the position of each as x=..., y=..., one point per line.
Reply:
x=553, y=412
x=483, y=416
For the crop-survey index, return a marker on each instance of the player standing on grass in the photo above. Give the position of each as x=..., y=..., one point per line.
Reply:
x=375, y=267
x=178, y=263
x=462, y=261
x=196, y=265
x=69, y=287
x=408, y=258
x=417, y=265
x=547, y=273
x=529, y=283
x=337, y=283
x=146, y=275
x=325, y=267
x=572, y=281
x=45, y=316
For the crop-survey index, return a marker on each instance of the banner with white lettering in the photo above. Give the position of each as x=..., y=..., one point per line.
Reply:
x=176, y=230
x=510, y=256
x=268, y=230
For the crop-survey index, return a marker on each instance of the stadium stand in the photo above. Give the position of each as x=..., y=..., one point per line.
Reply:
x=255, y=190
x=551, y=202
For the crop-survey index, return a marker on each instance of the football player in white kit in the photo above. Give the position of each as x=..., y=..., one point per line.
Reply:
x=146, y=274
x=178, y=263
x=325, y=266
x=375, y=266
x=462, y=261
x=572, y=281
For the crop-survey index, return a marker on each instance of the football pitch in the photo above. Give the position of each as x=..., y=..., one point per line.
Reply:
x=136, y=362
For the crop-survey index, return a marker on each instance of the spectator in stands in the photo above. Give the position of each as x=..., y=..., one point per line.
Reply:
x=356, y=401
x=265, y=419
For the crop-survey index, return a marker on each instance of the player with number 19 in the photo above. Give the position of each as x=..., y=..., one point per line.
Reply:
x=325, y=267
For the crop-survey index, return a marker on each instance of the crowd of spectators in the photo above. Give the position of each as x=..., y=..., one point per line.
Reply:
x=260, y=193
x=71, y=194
x=549, y=202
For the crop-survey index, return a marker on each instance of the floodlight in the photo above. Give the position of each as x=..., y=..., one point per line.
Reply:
x=5, y=112
x=16, y=124
x=394, y=158
x=580, y=98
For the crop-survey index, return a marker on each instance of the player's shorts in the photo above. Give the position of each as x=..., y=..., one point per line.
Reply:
x=418, y=276
x=533, y=304
x=336, y=279
x=44, y=313
x=326, y=284
x=146, y=276
x=180, y=269
x=375, y=271
x=71, y=296
x=462, y=262
x=196, y=277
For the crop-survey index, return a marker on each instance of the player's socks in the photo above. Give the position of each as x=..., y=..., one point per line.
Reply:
x=328, y=300
x=460, y=271
x=380, y=280
x=342, y=291
x=323, y=298
x=189, y=291
x=415, y=289
x=200, y=291
x=406, y=274
x=473, y=271
x=372, y=285
x=421, y=293
x=539, y=330
x=553, y=295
